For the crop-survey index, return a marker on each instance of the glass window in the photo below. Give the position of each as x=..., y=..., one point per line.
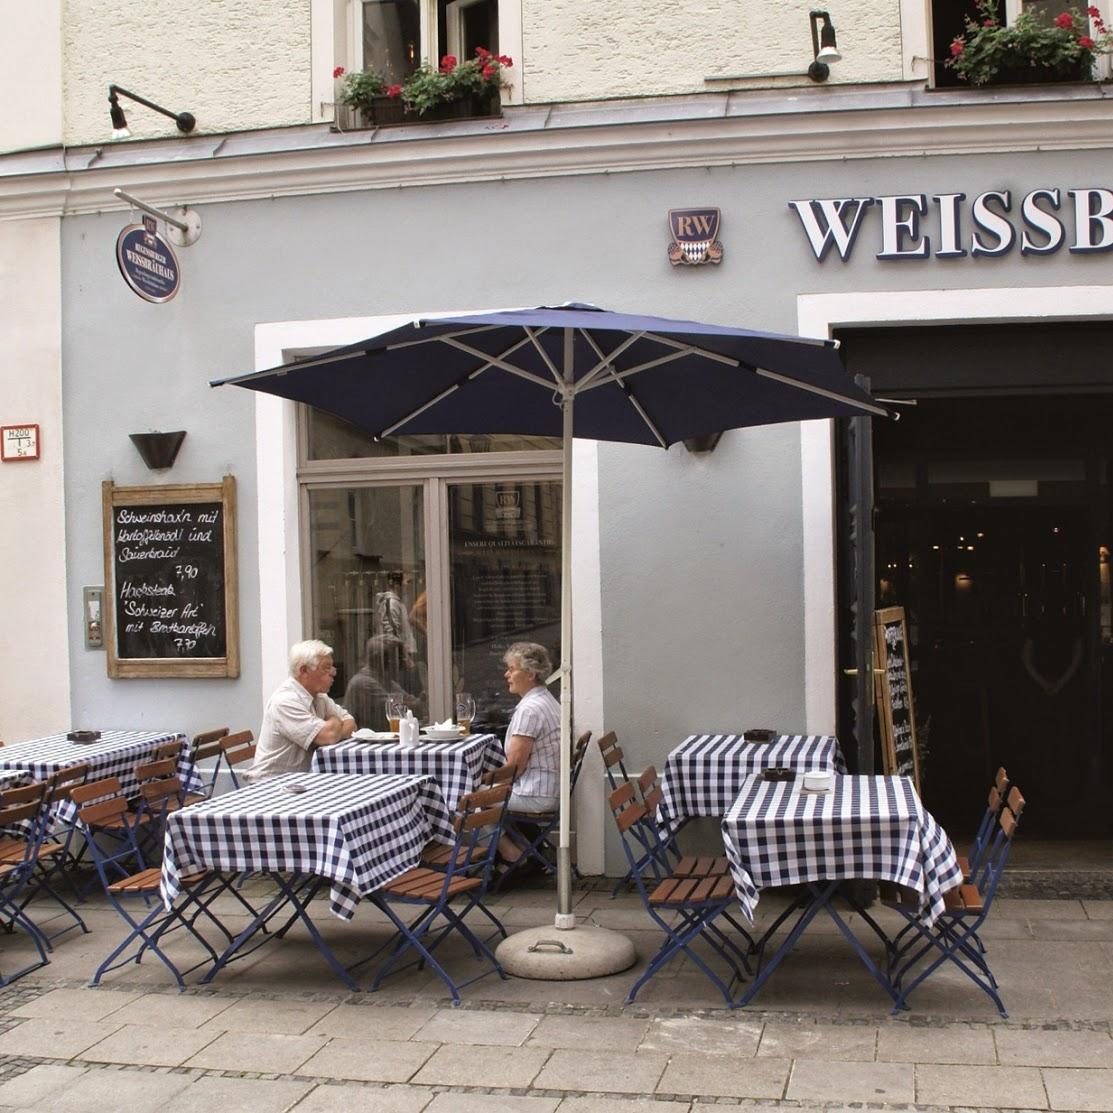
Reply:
x=332, y=438
x=391, y=34
x=366, y=552
x=504, y=553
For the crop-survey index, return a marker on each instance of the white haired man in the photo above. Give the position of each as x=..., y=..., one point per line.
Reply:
x=299, y=717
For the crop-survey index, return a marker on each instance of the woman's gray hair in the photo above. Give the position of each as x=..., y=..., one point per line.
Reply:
x=307, y=654
x=531, y=657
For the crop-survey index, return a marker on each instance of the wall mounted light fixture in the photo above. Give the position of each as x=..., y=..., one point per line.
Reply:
x=159, y=450
x=185, y=121
x=824, y=48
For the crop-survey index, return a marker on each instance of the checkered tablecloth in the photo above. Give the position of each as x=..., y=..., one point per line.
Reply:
x=357, y=831
x=866, y=826
x=704, y=773
x=456, y=766
x=115, y=754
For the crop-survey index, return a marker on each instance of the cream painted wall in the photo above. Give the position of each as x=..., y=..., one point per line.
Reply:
x=34, y=653
x=31, y=76
x=628, y=48
x=234, y=66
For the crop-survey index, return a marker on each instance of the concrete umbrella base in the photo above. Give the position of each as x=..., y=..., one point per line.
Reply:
x=550, y=955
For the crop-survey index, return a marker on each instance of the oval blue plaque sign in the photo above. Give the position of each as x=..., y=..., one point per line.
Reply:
x=148, y=263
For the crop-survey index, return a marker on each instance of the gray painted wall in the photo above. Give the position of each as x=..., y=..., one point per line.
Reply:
x=701, y=556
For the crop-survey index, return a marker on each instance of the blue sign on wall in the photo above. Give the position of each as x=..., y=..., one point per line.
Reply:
x=148, y=262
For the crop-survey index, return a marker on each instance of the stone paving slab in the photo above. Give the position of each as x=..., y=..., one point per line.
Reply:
x=1079, y=1090
x=827, y=1080
x=1002, y=1087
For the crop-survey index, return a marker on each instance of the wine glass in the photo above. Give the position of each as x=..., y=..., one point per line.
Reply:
x=395, y=710
x=465, y=711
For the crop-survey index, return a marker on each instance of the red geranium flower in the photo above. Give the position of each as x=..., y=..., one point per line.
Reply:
x=448, y=63
x=502, y=59
x=338, y=72
x=394, y=91
x=957, y=47
x=482, y=52
x=1064, y=20
x=989, y=23
x=1086, y=42
x=1093, y=13
x=489, y=71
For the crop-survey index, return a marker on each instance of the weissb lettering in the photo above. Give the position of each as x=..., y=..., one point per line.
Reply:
x=949, y=226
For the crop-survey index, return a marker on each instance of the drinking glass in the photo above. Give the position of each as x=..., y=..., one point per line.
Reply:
x=395, y=711
x=465, y=711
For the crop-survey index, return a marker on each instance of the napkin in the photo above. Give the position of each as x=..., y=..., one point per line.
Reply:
x=447, y=725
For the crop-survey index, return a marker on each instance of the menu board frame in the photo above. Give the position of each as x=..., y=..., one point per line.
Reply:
x=224, y=493
x=894, y=617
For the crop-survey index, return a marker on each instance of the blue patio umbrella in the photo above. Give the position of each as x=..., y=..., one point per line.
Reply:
x=570, y=371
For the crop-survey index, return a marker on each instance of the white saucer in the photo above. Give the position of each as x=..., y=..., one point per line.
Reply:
x=442, y=735
x=365, y=734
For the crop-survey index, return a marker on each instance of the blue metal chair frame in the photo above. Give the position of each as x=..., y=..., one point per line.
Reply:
x=23, y=809
x=467, y=875
x=690, y=904
x=120, y=880
x=204, y=746
x=955, y=933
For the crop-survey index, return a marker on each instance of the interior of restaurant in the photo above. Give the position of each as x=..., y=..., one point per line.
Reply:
x=993, y=527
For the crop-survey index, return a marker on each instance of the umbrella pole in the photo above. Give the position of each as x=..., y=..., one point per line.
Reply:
x=564, y=917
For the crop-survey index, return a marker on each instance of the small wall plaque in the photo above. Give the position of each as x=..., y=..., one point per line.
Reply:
x=695, y=237
x=19, y=442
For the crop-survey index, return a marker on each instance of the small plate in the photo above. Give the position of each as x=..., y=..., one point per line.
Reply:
x=365, y=734
x=759, y=734
x=294, y=788
x=443, y=735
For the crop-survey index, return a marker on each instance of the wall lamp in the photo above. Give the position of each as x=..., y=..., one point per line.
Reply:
x=186, y=121
x=824, y=48
x=159, y=450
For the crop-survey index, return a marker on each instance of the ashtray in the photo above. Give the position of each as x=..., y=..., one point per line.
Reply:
x=294, y=787
x=83, y=736
x=759, y=734
x=779, y=773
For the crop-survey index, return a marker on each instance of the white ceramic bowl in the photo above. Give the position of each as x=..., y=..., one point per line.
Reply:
x=442, y=735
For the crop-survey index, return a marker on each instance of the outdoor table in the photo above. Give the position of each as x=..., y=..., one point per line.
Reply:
x=357, y=832
x=776, y=833
x=456, y=766
x=704, y=774
x=115, y=754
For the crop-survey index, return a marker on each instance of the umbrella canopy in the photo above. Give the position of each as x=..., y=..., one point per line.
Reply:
x=643, y=380
x=570, y=371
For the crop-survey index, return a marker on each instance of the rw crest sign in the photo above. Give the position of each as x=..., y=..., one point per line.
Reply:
x=695, y=237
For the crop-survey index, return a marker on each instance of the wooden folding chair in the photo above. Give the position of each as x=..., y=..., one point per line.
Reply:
x=47, y=855
x=684, y=908
x=21, y=810
x=465, y=879
x=533, y=832
x=614, y=760
x=238, y=748
x=984, y=835
x=205, y=747
x=955, y=934
x=125, y=876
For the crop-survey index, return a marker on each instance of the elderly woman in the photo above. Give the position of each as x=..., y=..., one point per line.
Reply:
x=533, y=736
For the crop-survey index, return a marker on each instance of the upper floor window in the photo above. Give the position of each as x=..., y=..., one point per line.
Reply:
x=391, y=37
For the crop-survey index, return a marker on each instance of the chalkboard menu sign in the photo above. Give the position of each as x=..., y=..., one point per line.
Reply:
x=170, y=580
x=894, y=704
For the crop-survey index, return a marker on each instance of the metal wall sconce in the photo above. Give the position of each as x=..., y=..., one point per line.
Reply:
x=185, y=121
x=159, y=450
x=824, y=48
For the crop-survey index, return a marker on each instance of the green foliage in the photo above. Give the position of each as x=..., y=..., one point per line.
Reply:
x=359, y=89
x=989, y=51
x=452, y=80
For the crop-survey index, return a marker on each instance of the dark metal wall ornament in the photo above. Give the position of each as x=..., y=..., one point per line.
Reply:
x=695, y=237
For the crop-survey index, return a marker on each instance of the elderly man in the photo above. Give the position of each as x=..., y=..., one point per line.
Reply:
x=299, y=717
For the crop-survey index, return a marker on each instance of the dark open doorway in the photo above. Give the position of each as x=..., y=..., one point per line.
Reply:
x=992, y=529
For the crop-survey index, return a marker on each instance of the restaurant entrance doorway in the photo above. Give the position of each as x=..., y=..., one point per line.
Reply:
x=994, y=521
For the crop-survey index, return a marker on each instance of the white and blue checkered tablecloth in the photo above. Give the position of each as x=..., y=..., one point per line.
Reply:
x=359, y=832
x=704, y=773
x=456, y=766
x=115, y=754
x=865, y=827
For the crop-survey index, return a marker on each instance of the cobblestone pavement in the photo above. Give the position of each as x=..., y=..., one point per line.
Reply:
x=279, y=1032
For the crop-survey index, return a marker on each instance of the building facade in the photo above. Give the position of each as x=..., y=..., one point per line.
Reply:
x=956, y=240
